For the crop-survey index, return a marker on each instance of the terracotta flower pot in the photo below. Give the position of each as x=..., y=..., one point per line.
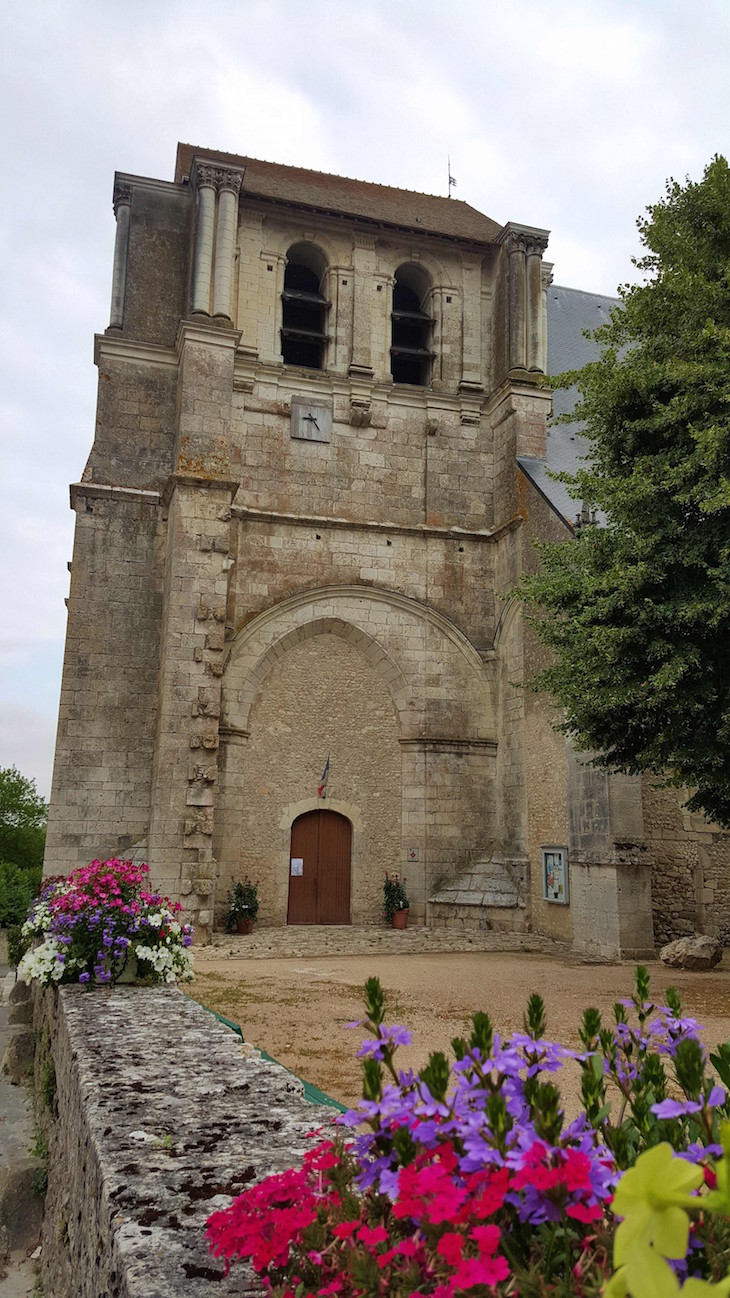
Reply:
x=244, y=926
x=400, y=919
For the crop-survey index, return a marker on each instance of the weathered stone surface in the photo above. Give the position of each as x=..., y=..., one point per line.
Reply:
x=20, y=1012
x=18, y=1058
x=20, y=992
x=697, y=953
x=162, y=1118
x=21, y=1204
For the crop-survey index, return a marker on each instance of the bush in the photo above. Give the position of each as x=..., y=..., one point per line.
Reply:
x=18, y=886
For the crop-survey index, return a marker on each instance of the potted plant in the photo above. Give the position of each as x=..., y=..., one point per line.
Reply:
x=395, y=900
x=100, y=925
x=243, y=906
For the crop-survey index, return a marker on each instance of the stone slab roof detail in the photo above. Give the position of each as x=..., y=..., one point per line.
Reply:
x=569, y=312
x=384, y=204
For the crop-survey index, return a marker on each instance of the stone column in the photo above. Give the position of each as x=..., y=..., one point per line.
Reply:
x=339, y=291
x=535, y=249
x=198, y=560
x=229, y=185
x=383, y=286
x=524, y=246
x=122, y=211
x=517, y=248
x=546, y=272
x=363, y=260
x=471, y=363
x=205, y=180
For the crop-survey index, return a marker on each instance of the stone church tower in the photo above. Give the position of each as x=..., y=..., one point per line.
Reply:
x=302, y=511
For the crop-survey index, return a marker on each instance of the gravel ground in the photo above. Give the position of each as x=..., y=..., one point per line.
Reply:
x=296, y=1009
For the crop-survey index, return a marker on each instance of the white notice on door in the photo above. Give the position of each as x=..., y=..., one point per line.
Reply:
x=297, y=865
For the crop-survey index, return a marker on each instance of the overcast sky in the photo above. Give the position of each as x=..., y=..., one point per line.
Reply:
x=568, y=114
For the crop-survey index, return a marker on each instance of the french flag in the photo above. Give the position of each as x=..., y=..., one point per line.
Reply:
x=322, y=786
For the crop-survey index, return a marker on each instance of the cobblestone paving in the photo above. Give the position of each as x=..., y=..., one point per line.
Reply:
x=342, y=940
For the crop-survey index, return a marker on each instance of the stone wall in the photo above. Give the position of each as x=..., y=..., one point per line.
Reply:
x=690, y=878
x=100, y=800
x=160, y=1118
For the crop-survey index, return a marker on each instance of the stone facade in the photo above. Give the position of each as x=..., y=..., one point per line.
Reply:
x=281, y=558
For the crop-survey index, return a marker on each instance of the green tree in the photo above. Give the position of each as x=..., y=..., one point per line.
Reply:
x=23, y=816
x=638, y=612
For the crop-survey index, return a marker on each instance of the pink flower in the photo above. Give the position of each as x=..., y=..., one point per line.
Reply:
x=370, y=1236
x=481, y=1270
x=451, y=1247
x=345, y=1230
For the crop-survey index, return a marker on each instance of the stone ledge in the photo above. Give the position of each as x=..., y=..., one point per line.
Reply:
x=162, y=1118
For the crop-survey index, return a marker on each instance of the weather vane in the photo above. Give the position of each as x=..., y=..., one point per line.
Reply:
x=452, y=182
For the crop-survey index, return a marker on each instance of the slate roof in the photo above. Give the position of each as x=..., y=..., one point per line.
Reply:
x=381, y=204
x=569, y=312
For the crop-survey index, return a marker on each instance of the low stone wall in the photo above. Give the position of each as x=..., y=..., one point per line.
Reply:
x=157, y=1115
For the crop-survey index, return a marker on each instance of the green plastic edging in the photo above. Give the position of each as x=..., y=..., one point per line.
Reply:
x=312, y=1093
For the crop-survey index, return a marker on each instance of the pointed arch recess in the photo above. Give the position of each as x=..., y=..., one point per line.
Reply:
x=261, y=642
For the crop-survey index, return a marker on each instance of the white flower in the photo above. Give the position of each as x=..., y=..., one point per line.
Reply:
x=42, y=962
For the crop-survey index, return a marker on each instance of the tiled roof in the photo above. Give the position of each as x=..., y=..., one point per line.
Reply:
x=358, y=198
x=569, y=312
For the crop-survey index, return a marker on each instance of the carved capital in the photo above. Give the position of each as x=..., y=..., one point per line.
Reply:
x=471, y=260
x=204, y=174
x=122, y=196
x=546, y=274
x=536, y=244
x=515, y=241
x=362, y=240
x=229, y=178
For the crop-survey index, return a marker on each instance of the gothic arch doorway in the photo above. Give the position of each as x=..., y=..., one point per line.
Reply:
x=322, y=842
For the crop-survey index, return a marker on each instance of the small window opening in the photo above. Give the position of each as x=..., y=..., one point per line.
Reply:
x=410, y=353
x=304, y=309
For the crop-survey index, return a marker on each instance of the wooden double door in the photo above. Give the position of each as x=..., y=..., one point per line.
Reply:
x=321, y=845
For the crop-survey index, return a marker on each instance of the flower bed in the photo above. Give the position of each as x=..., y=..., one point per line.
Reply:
x=467, y=1179
x=100, y=921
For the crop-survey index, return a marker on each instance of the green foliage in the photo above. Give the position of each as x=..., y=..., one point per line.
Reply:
x=48, y=1084
x=17, y=944
x=638, y=612
x=18, y=886
x=395, y=896
x=23, y=816
x=243, y=902
x=39, y=1179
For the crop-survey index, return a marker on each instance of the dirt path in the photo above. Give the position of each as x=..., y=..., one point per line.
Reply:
x=296, y=1009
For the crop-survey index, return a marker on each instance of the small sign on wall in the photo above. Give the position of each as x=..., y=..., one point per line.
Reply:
x=555, y=875
x=297, y=866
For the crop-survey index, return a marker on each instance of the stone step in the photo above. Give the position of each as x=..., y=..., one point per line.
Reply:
x=342, y=940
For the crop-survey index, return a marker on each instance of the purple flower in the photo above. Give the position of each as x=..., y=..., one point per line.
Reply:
x=675, y=1108
x=716, y=1097
x=84, y=977
x=697, y=1153
x=388, y=1037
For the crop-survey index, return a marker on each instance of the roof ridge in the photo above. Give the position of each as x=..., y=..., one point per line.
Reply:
x=329, y=175
x=586, y=292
